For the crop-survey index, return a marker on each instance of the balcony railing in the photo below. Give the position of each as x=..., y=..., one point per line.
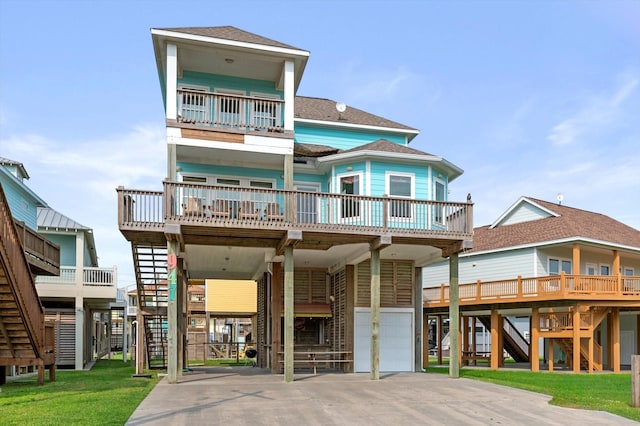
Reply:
x=42, y=254
x=91, y=277
x=552, y=287
x=227, y=111
x=271, y=208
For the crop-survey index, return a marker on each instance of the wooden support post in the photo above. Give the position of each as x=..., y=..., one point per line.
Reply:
x=609, y=347
x=534, y=332
x=454, y=317
x=181, y=295
x=576, y=339
x=52, y=373
x=500, y=340
x=276, y=315
x=375, y=314
x=420, y=332
x=473, y=339
x=495, y=344
x=635, y=381
x=576, y=259
x=615, y=339
x=172, y=313
x=288, y=314
x=550, y=355
x=464, y=338
x=439, y=338
x=40, y=367
x=425, y=341
x=638, y=333
x=590, y=361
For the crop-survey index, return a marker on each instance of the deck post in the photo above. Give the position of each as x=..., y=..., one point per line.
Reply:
x=425, y=341
x=276, y=314
x=534, y=348
x=576, y=339
x=495, y=345
x=439, y=337
x=635, y=381
x=172, y=313
x=454, y=317
x=615, y=339
x=420, y=323
x=288, y=313
x=550, y=356
x=375, y=314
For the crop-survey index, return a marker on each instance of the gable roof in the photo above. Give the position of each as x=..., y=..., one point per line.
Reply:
x=568, y=223
x=7, y=162
x=230, y=33
x=321, y=109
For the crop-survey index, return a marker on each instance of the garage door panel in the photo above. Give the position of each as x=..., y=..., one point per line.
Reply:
x=396, y=341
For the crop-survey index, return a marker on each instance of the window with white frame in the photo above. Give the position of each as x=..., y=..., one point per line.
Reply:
x=265, y=112
x=193, y=104
x=400, y=185
x=440, y=195
x=604, y=269
x=350, y=184
x=556, y=266
x=592, y=269
x=629, y=272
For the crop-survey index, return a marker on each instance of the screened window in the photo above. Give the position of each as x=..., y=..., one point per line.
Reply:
x=350, y=185
x=400, y=187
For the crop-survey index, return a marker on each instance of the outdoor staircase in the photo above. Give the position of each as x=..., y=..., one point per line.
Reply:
x=150, y=264
x=566, y=345
x=24, y=338
x=513, y=342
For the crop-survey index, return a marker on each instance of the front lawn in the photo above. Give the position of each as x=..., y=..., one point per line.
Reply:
x=606, y=392
x=104, y=395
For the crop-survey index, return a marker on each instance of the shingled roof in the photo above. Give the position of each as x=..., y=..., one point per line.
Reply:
x=325, y=110
x=570, y=223
x=230, y=33
x=384, y=145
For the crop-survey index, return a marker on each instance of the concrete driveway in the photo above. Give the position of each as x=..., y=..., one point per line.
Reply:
x=251, y=396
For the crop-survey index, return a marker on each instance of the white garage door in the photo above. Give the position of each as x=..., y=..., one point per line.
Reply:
x=396, y=340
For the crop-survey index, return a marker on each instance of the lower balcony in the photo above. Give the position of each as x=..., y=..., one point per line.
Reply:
x=98, y=283
x=547, y=288
x=42, y=255
x=233, y=215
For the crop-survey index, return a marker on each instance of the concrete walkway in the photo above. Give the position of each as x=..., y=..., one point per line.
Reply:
x=251, y=396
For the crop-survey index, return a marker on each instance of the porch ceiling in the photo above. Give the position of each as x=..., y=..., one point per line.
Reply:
x=228, y=157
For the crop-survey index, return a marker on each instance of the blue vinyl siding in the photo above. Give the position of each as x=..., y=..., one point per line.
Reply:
x=489, y=267
x=67, y=245
x=23, y=207
x=219, y=82
x=341, y=139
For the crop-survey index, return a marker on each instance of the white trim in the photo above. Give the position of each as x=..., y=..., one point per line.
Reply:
x=412, y=196
x=535, y=261
x=516, y=204
x=367, y=170
x=339, y=178
x=356, y=126
x=591, y=265
x=627, y=268
x=608, y=266
x=184, y=36
x=289, y=95
x=560, y=260
x=171, y=82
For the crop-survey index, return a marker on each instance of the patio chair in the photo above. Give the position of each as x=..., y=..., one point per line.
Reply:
x=193, y=207
x=220, y=209
x=247, y=210
x=272, y=212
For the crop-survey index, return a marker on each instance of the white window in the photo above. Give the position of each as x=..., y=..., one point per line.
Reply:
x=350, y=185
x=440, y=195
x=592, y=269
x=193, y=104
x=559, y=265
x=604, y=269
x=265, y=113
x=400, y=185
x=629, y=272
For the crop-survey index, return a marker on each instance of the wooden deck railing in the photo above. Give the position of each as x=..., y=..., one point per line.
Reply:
x=38, y=246
x=271, y=208
x=552, y=287
x=20, y=279
x=230, y=111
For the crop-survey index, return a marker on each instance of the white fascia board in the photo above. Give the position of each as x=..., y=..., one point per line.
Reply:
x=370, y=153
x=356, y=126
x=245, y=147
x=591, y=241
x=231, y=43
x=516, y=204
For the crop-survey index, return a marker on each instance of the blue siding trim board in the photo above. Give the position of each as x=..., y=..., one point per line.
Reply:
x=341, y=138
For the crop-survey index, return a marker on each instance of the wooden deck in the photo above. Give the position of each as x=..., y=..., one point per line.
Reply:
x=25, y=339
x=622, y=289
x=216, y=215
x=43, y=255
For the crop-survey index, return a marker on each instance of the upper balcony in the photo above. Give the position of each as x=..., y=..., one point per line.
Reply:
x=97, y=283
x=42, y=255
x=232, y=216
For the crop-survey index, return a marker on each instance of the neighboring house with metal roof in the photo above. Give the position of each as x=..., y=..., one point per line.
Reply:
x=79, y=295
x=539, y=264
x=267, y=185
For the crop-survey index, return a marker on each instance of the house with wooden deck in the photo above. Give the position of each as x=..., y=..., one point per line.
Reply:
x=325, y=206
x=78, y=297
x=547, y=281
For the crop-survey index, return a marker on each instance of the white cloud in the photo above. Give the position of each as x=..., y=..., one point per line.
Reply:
x=597, y=112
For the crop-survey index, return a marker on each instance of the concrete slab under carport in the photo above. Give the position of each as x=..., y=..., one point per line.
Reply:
x=252, y=396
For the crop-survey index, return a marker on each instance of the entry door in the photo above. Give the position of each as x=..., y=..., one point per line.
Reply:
x=627, y=346
x=396, y=340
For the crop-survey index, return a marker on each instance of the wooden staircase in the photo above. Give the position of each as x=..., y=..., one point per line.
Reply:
x=24, y=337
x=514, y=343
x=150, y=264
x=566, y=345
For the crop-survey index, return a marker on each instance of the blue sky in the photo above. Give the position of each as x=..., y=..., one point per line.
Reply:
x=529, y=98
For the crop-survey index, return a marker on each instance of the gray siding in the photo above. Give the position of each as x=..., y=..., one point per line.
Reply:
x=523, y=213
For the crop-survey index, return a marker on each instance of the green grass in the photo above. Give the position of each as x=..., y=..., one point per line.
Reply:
x=229, y=362
x=606, y=392
x=105, y=395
